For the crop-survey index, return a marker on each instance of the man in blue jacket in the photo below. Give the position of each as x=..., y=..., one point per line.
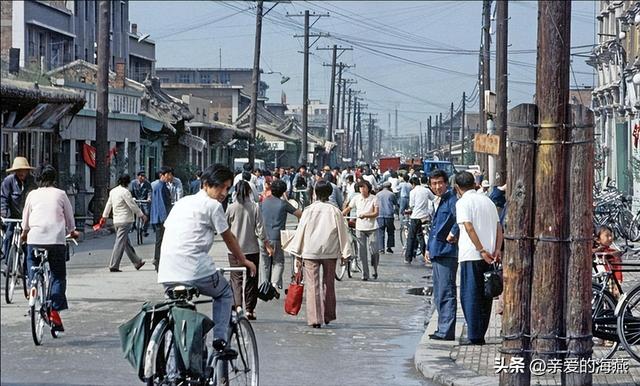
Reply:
x=160, y=207
x=442, y=250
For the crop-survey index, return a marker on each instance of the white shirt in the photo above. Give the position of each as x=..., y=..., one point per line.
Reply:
x=394, y=184
x=123, y=206
x=364, y=205
x=480, y=211
x=371, y=179
x=188, y=237
x=421, y=202
x=48, y=216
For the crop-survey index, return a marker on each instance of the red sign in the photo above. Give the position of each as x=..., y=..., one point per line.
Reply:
x=636, y=135
x=89, y=155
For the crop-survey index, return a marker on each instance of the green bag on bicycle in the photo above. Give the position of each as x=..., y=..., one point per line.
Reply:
x=135, y=334
x=190, y=329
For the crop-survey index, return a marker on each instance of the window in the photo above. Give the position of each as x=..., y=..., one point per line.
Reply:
x=205, y=78
x=225, y=78
x=32, y=44
x=42, y=48
x=183, y=77
x=165, y=80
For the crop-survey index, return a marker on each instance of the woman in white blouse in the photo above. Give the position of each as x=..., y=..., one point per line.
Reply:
x=46, y=220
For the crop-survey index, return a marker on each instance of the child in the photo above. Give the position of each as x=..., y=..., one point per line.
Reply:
x=606, y=256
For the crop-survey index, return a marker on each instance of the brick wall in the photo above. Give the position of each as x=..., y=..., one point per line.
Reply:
x=6, y=8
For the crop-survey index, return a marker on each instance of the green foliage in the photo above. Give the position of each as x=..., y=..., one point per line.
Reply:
x=263, y=149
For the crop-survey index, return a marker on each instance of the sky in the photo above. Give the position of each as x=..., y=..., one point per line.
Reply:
x=414, y=56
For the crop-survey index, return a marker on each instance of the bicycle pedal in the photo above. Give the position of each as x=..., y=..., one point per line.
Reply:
x=227, y=354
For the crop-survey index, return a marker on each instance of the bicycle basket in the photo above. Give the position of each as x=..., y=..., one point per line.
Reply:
x=135, y=334
x=190, y=329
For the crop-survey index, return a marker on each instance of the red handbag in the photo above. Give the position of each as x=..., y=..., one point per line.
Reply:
x=293, y=300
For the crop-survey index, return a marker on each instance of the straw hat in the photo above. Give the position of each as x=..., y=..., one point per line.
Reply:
x=19, y=163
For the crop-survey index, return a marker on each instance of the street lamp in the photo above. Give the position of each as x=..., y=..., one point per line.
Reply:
x=283, y=80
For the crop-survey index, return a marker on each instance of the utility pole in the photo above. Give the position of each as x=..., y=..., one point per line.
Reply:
x=305, y=84
x=340, y=91
x=348, y=130
x=396, y=121
x=462, y=127
x=102, y=108
x=451, y=134
x=255, y=80
x=420, y=143
x=440, y=137
x=485, y=76
x=429, y=133
x=550, y=224
x=502, y=33
x=370, y=144
x=352, y=154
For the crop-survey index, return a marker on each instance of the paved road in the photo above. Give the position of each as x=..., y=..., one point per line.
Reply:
x=371, y=343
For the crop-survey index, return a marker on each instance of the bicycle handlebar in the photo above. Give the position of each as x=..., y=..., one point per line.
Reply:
x=11, y=220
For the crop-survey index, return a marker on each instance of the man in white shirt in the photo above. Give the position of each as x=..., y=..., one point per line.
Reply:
x=188, y=237
x=366, y=208
x=421, y=204
x=478, y=247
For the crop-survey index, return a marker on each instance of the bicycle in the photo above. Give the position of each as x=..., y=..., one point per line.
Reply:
x=302, y=197
x=614, y=322
x=352, y=263
x=40, y=295
x=405, y=226
x=16, y=263
x=163, y=364
x=139, y=223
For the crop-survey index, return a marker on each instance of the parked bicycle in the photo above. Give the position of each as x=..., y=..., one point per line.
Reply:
x=405, y=224
x=615, y=314
x=164, y=361
x=40, y=304
x=16, y=263
x=351, y=264
x=613, y=209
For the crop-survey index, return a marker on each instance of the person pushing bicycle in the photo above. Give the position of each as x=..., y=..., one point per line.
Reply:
x=189, y=234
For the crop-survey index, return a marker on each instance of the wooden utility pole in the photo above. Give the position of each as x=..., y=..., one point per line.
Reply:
x=348, y=130
x=485, y=76
x=429, y=133
x=502, y=33
x=344, y=87
x=352, y=153
x=255, y=80
x=420, y=144
x=440, y=135
x=552, y=97
x=305, y=84
x=396, y=121
x=370, y=144
x=451, y=134
x=338, y=101
x=580, y=215
x=329, y=136
x=517, y=258
x=462, y=127
x=101, y=186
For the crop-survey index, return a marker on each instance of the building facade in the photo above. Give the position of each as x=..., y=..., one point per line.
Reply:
x=50, y=34
x=207, y=76
x=616, y=99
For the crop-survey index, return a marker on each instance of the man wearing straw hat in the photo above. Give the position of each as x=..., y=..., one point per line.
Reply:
x=13, y=194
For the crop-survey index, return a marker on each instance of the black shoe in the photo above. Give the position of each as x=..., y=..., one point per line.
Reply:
x=114, y=270
x=472, y=342
x=407, y=261
x=365, y=279
x=381, y=251
x=438, y=337
x=316, y=325
x=375, y=275
x=146, y=234
x=138, y=266
x=389, y=250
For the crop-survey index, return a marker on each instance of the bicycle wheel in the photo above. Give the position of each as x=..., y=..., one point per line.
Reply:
x=624, y=220
x=36, y=311
x=355, y=261
x=629, y=323
x=244, y=369
x=403, y=234
x=604, y=329
x=341, y=268
x=161, y=365
x=634, y=228
x=11, y=276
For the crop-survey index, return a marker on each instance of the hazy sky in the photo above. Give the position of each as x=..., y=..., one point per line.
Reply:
x=427, y=50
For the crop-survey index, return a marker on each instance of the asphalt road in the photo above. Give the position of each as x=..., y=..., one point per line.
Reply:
x=372, y=342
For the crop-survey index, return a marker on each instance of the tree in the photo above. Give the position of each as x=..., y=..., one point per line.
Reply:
x=262, y=148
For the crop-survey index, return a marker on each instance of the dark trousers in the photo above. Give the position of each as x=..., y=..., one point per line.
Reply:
x=159, y=228
x=57, y=255
x=385, y=224
x=444, y=294
x=475, y=306
x=415, y=238
x=250, y=287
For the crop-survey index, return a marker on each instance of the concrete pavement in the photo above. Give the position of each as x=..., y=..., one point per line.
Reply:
x=371, y=343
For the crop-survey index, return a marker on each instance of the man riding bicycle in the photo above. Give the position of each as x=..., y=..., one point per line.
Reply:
x=13, y=194
x=299, y=186
x=189, y=232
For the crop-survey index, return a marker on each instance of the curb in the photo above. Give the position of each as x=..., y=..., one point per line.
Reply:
x=433, y=360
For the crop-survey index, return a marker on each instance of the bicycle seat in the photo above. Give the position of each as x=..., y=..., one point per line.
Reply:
x=182, y=292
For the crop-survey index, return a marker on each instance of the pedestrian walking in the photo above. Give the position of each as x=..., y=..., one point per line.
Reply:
x=367, y=210
x=442, y=252
x=321, y=238
x=420, y=203
x=124, y=208
x=46, y=220
x=175, y=188
x=141, y=190
x=405, y=189
x=13, y=194
x=387, y=203
x=245, y=221
x=274, y=214
x=196, y=184
x=161, y=205
x=479, y=247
